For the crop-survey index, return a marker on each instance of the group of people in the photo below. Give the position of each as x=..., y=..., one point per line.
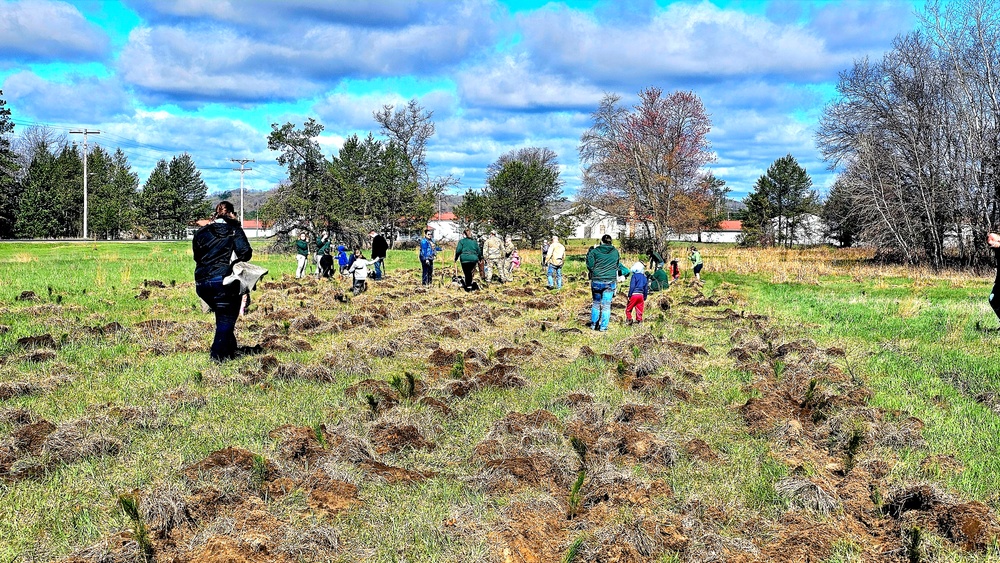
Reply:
x=354, y=266
x=494, y=256
x=220, y=244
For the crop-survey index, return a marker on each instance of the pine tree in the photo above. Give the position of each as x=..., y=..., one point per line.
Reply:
x=36, y=211
x=9, y=187
x=192, y=193
x=158, y=202
x=114, y=192
x=780, y=199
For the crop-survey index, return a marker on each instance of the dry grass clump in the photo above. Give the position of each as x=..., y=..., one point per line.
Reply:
x=309, y=542
x=79, y=439
x=166, y=508
x=806, y=494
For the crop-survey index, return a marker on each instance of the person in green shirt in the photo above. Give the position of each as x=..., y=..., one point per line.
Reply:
x=602, y=263
x=695, y=258
x=468, y=254
x=322, y=249
x=302, y=249
x=658, y=281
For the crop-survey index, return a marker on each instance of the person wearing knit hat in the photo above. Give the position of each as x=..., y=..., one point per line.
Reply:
x=638, y=290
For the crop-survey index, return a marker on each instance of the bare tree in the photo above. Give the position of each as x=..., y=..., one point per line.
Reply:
x=647, y=162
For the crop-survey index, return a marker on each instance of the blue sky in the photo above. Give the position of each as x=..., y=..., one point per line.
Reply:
x=208, y=77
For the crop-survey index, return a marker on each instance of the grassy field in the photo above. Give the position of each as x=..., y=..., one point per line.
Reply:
x=799, y=404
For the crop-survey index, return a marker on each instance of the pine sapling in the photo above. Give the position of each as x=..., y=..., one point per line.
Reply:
x=574, y=550
x=912, y=538
x=458, y=370
x=140, y=533
x=574, y=495
x=318, y=430
x=258, y=473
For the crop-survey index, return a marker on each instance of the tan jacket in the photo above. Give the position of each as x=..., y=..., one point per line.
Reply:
x=493, y=248
x=556, y=254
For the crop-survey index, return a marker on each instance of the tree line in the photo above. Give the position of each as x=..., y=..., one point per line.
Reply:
x=917, y=137
x=41, y=190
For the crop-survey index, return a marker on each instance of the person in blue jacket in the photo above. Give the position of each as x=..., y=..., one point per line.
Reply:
x=428, y=253
x=342, y=259
x=638, y=291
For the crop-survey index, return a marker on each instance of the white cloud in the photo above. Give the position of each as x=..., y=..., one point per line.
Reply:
x=77, y=99
x=510, y=82
x=683, y=42
x=42, y=30
x=208, y=59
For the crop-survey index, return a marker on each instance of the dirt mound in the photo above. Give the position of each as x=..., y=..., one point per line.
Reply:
x=40, y=341
x=392, y=438
x=26, y=296
x=441, y=357
x=699, y=449
x=331, y=496
x=222, y=464
x=299, y=442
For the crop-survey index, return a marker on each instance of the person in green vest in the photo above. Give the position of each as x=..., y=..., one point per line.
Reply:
x=695, y=258
x=469, y=255
x=322, y=249
x=302, y=250
x=658, y=281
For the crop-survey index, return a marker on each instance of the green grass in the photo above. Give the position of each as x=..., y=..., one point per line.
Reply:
x=913, y=342
x=919, y=350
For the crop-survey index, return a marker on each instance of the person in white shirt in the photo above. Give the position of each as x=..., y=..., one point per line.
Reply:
x=359, y=273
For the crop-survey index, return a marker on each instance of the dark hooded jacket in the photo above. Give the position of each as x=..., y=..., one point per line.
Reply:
x=214, y=245
x=602, y=263
x=379, y=247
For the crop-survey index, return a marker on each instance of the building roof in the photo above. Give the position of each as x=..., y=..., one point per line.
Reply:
x=730, y=225
x=446, y=216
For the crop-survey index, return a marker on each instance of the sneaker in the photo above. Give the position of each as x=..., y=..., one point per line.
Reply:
x=592, y=326
x=628, y=322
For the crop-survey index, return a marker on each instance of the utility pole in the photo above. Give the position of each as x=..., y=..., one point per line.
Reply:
x=241, y=170
x=84, y=132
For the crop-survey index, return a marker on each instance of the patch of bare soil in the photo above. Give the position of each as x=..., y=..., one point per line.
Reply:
x=815, y=414
x=35, y=448
x=392, y=438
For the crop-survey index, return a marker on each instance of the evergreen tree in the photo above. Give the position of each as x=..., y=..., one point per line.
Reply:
x=192, y=193
x=69, y=192
x=36, y=211
x=10, y=189
x=520, y=187
x=157, y=203
x=113, y=194
x=780, y=199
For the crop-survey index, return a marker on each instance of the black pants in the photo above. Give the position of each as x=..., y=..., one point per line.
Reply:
x=995, y=298
x=225, y=302
x=427, y=272
x=469, y=269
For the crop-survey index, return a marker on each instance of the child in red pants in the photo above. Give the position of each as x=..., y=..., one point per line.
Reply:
x=638, y=290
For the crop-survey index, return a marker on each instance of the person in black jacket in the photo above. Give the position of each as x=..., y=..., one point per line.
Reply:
x=214, y=246
x=993, y=241
x=379, y=249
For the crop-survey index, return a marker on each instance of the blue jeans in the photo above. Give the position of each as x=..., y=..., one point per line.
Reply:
x=427, y=272
x=600, y=311
x=378, y=268
x=557, y=270
x=225, y=301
